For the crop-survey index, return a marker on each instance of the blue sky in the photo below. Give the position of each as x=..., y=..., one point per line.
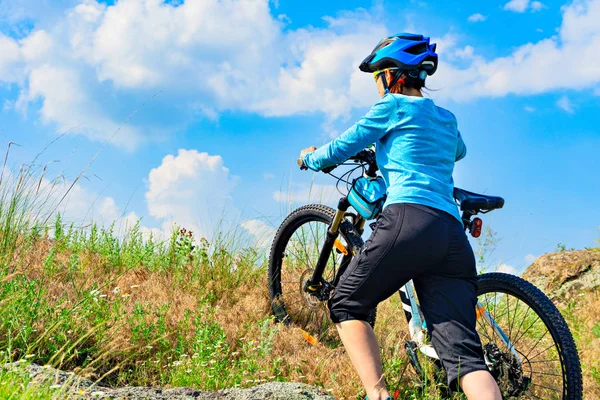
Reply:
x=200, y=108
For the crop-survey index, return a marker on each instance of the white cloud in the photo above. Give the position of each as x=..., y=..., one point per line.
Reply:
x=76, y=204
x=308, y=194
x=518, y=6
x=530, y=258
x=208, y=55
x=191, y=188
x=477, y=17
x=198, y=57
x=532, y=68
x=10, y=56
x=537, y=6
x=507, y=269
x=66, y=102
x=268, y=176
x=262, y=232
x=529, y=109
x=565, y=104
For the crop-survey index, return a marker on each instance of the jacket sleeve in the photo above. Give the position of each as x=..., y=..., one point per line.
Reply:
x=365, y=132
x=461, y=148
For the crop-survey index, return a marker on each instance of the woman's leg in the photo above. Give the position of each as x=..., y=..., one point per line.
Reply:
x=403, y=241
x=362, y=347
x=480, y=385
x=448, y=295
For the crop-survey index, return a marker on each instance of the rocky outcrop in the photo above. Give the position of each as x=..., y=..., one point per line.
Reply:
x=566, y=274
x=69, y=385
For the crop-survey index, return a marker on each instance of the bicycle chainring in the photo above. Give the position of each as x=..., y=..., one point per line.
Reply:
x=313, y=296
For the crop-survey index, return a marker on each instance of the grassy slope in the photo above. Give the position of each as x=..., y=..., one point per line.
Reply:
x=131, y=311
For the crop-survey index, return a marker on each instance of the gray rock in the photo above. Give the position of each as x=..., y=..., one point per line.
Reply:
x=81, y=388
x=565, y=275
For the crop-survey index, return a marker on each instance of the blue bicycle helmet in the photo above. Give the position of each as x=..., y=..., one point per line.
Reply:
x=405, y=51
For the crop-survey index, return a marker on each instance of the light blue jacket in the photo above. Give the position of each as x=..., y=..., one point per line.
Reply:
x=416, y=145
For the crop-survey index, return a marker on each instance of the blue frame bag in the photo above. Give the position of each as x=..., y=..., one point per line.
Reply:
x=367, y=196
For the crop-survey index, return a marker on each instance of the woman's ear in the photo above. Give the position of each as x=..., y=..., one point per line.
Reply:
x=389, y=76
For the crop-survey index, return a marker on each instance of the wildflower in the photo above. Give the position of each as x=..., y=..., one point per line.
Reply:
x=102, y=295
x=30, y=356
x=134, y=286
x=116, y=290
x=177, y=363
x=149, y=347
x=188, y=371
x=55, y=386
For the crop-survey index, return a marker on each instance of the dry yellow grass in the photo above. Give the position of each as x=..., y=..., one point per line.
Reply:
x=239, y=311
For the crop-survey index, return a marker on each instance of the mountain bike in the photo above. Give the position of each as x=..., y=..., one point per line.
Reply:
x=527, y=345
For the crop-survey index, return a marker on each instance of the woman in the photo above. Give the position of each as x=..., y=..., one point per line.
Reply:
x=419, y=235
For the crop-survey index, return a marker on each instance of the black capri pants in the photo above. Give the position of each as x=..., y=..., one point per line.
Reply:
x=429, y=246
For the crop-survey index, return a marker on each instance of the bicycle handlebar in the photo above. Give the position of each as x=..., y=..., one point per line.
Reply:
x=366, y=156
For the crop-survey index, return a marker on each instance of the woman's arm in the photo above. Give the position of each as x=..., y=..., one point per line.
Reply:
x=461, y=148
x=366, y=131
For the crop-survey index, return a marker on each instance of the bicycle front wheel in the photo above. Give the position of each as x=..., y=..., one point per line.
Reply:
x=294, y=254
x=527, y=343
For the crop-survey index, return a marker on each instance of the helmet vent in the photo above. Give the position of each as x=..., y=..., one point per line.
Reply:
x=383, y=43
x=417, y=49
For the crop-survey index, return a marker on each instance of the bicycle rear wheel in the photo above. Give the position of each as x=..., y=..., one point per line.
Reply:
x=294, y=253
x=543, y=362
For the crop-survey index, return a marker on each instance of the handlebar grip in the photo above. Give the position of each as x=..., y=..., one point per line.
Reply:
x=329, y=169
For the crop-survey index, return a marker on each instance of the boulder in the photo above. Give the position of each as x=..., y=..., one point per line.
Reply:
x=565, y=274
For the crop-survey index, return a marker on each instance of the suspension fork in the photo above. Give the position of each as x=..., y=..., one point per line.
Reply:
x=332, y=234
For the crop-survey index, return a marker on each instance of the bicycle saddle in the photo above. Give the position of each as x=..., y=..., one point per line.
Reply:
x=477, y=202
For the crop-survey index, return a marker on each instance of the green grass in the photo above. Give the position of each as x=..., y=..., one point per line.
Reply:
x=125, y=309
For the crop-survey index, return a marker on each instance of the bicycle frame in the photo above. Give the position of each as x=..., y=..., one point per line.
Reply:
x=415, y=319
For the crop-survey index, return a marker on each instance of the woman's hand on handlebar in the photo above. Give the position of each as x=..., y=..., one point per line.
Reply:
x=302, y=154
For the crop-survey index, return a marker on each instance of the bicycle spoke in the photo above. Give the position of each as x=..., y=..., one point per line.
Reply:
x=536, y=343
x=545, y=373
x=543, y=351
x=545, y=387
x=543, y=361
x=527, y=330
x=522, y=321
x=527, y=334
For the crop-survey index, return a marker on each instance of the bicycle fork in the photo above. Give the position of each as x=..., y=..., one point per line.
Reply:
x=314, y=284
